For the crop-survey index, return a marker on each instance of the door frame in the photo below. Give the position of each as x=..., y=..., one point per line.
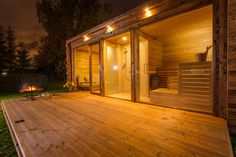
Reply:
x=91, y=69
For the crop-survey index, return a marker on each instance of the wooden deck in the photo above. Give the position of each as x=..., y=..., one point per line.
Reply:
x=80, y=124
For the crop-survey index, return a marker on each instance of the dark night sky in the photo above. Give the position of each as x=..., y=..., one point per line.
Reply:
x=21, y=15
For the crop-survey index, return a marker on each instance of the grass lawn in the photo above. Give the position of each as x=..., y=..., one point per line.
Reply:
x=233, y=140
x=54, y=87
x=7, y=148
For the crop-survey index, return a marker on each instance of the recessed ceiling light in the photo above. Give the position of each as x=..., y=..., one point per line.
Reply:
x=86, y=38
x=148, y=13
x=109, y=29
x=124, y=38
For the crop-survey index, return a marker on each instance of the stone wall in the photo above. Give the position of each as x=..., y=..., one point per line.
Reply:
x=68, y=63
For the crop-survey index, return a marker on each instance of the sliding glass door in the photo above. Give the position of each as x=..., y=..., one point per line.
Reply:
x=143, y=70
x=95, y=68
x=117, y=66
x=81, y=68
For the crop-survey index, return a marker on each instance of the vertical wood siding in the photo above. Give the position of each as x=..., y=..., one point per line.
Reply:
x=232, y=65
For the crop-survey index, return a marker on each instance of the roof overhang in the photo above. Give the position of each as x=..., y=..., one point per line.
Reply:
x=136, y=18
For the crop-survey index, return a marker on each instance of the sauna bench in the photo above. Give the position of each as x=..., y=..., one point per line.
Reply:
x=164, y=97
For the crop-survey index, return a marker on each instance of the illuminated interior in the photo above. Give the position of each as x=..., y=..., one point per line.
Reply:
x=175, y=60
x=174, y=48
x=117, y=66
x=81, y=68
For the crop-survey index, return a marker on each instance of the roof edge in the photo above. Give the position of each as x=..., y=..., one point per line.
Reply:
x=109, y=21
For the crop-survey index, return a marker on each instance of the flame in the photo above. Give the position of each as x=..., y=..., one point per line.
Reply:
x=30, y=88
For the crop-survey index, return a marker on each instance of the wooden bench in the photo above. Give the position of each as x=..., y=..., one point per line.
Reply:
x=167, y=95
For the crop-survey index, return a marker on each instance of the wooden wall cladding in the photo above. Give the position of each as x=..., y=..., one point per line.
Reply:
x=232, y=65
x=155, y=55
x=191, y=35
x=172, y=82
x=165, y=74
x=195, y=86
x=95, y=73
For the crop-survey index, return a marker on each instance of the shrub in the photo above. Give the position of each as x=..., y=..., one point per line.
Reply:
x=9, y=83
x=13, y=82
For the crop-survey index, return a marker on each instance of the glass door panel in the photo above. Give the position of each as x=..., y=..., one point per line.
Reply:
x=143, y=70
x=95, y=69
x=81, y=68
x=117, y=66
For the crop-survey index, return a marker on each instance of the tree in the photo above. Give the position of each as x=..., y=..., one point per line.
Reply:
x=10, y=49
x=63, y=19
x=44, y=59
x=2, y=49
x=22, y=57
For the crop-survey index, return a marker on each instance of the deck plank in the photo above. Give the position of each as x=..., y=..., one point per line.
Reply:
x=81, y=124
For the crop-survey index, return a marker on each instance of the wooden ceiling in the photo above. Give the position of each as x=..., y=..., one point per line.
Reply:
x=118, y=39
x=183, y=36
x=95, y=48
x=193, y=20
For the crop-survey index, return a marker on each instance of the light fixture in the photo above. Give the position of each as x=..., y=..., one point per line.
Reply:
x=86, y=38
x=4, y=73
x=148, y=12
x=124, y=38
x=109, y=29
x=115, y=67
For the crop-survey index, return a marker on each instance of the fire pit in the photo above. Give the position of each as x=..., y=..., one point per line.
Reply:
x=30, y=88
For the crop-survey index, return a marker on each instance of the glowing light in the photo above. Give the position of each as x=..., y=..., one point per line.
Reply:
x=115, y=67
x=124, y=38
x=4, y=73
x=148, y=12
x=86, y=38
x=109, y=29
x=29, y=88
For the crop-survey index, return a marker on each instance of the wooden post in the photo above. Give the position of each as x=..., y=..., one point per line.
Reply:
x=132, y=50
x=101, y=63
x=232, y=65
x=137, y=66
x=220, y=58
x=134, y=65
x=223, y=59
x=90, y=68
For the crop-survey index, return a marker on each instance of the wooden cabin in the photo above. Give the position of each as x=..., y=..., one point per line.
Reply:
x=178, y=54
